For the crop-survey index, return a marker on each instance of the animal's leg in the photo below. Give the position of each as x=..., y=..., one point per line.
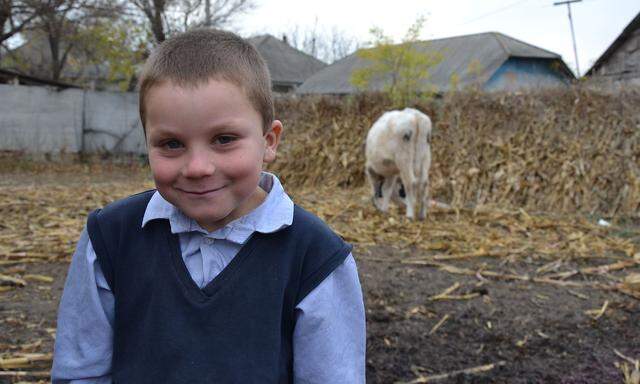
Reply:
x=410, y=200
x=424, y=200
x=375, y=180
x=387, y=190
x=410, y=187
x=411, y=205
x=399, y=193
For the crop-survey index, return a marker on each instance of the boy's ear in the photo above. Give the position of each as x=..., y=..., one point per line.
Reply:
x=272, y=139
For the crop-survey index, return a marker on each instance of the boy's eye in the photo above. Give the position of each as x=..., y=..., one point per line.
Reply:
x=224, y=139
x=172, y=144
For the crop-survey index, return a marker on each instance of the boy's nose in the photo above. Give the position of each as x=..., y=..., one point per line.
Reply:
x=199, y=164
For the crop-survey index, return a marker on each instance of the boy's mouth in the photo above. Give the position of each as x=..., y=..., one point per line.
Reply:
x=199, y=192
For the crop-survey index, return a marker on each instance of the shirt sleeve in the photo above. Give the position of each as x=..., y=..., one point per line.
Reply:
x=329, y=339
x=84, y=337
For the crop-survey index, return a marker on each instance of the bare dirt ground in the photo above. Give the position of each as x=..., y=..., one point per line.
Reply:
x=433, y=315
x=532, y=333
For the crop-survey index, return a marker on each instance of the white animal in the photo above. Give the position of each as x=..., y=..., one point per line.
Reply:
x=398, y=158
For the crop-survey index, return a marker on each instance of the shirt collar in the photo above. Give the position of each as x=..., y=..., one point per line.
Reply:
x=275, y=213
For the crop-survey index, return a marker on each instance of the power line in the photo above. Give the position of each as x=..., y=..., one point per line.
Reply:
x=506, y=7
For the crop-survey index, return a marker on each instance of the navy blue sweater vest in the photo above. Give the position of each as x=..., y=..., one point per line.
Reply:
x=237, y=329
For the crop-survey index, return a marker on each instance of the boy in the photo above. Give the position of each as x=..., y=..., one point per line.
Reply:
x=215, y=277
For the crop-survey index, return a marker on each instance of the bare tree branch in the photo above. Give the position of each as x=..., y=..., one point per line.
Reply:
x=155, y=12
x=225, y=10
x=57, y=24
x=15, y=16
x=166, y=17
x=189, y=8
x=325, y=45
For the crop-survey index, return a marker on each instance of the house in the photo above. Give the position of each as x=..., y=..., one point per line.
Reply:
x=33, y=57
x=289, y=66
x=492, y=61
x=621, y=61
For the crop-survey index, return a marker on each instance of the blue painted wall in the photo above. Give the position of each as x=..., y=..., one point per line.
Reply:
x=525, y=73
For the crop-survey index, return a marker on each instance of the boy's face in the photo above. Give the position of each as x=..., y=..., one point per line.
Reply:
x=206, y=150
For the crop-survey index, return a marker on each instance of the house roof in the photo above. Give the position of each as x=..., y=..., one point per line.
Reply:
x=7, y=75
x=473, y=58
x=626, y=34
x=286, y=64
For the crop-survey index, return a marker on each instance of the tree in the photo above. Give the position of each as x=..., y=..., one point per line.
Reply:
x=402, y=68
x=58, y=34
x=155, y=12
x=15, y=16
x=328, y=45
x=340, y=45
x=84, y=40
x=57, y=20
x=61, y=22
x=114, y=50
x=222, y=12
x=166, y=17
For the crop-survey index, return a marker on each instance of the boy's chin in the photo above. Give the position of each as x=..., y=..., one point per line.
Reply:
x=209, y=220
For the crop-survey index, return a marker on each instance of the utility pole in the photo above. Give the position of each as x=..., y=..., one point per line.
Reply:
x=207, y=13
x=573, y=35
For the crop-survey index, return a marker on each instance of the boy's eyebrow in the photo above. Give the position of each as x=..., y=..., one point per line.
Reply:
x=160, y=130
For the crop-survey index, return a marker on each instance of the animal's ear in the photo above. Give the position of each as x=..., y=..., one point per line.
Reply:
x=407, y=136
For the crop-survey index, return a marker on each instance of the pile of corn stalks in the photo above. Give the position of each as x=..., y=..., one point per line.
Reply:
x=562, y=151
x=570, y=248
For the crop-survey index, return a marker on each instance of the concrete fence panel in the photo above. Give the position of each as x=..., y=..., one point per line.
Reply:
x=43, y=120
x=112, y=123
x=39, y=119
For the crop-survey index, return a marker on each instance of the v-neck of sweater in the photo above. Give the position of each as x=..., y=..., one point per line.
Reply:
x=212, y=287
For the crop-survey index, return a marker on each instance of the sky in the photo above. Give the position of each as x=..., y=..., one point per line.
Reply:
x=597, y=23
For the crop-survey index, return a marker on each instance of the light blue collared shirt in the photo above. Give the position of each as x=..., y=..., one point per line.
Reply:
x=329, y=337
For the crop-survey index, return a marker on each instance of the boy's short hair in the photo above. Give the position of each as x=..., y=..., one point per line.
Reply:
x=193, y=58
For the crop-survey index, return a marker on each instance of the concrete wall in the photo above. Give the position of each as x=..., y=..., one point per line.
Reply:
x=41, y=119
